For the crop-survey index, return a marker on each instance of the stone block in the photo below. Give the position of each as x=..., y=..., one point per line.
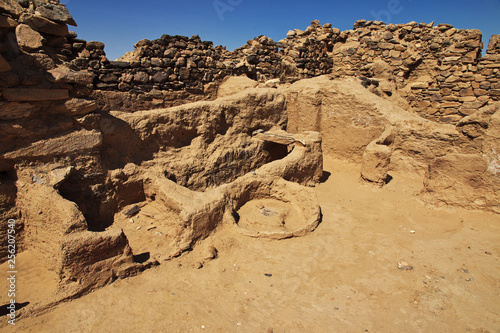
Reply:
x=75, y=107
x=75, y=142
x=66, y=75
x=467, y=99
x=419, y=85
x=141, y=77
x=160, y=77
x=94, y=45
x=184, y=74
x=28, y=39
x=466, y=92
x=45, y=25
x=493, y=45
x=450, y=105
x=7, y=22
x=56, y=13
x=480, y=92
x=108, y=77
x=10, y=111
x=11, y=7
x=385, y=46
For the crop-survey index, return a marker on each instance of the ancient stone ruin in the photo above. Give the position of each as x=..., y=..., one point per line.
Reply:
x=178, y=137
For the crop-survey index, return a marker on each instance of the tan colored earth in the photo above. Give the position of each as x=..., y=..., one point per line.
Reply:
x=343, y=277
x=267, y=189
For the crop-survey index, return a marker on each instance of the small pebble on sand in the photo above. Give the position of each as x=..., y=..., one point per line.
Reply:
x=403, y=265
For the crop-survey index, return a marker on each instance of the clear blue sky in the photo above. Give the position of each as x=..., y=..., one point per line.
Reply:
x=121, y=23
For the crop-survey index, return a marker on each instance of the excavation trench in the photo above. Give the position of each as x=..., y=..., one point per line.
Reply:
x=163, y=206
x=143, y=198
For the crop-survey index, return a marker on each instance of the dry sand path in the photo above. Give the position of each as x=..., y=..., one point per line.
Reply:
x=343, y=277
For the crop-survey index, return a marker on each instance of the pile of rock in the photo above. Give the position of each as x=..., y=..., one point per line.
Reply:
x=168, y=63
x=259, y=59
x=41, y=93
x=308, y=51
x=90, y=55
x=159, y=73
x=438, y=69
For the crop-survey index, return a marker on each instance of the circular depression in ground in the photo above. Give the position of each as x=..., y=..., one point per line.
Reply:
x=269, y=215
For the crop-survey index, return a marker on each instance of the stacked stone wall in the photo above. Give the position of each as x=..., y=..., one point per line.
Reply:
x=438, y=69
x=40, y=91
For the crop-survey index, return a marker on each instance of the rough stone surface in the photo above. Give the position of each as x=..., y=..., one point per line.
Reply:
x=95, y=45
x=11, y=6
x=66, y=75
x=75, y=107
x=15, y=110
x=30, y=95
x=7, y=22
x=45, y=25
x=196, y=136
x=73, y=143
x=56, y=13
x=494, y=45
x=234, y=85
x=27, y=38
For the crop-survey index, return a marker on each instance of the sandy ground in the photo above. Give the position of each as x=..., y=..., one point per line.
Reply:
x=343, y=277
